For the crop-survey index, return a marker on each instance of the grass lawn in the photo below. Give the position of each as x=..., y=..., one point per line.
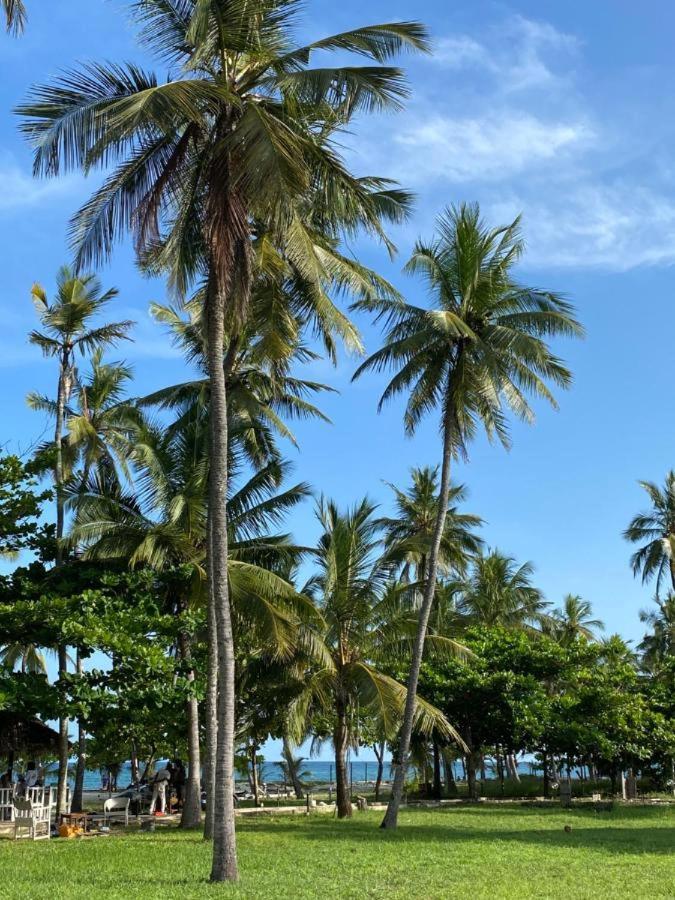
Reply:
x=477, y=852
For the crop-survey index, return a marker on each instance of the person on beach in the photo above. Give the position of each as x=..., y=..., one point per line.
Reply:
x=178, y=781
x=159, y=784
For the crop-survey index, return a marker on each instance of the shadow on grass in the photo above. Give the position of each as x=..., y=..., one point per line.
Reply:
x=590, y=830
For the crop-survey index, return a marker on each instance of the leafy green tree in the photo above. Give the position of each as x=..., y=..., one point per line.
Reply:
x=349, y=589
x=476, y=353
x=233, y=146
x=654, y=529
x=21, y=504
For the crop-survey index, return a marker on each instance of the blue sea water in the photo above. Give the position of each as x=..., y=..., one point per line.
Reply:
x=313, y=770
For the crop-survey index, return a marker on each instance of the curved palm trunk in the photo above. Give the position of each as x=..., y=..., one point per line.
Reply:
x=391, y=816
x=76, y=805
x=379, y=756
x=211, y=700
x=191, y=814
x=287, y=753
x=341, y=742
x=224, y=867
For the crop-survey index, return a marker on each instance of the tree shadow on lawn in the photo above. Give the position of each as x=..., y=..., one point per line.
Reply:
x=587, y=832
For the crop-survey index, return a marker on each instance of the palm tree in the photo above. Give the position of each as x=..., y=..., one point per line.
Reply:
x=659, y=643
x=15, y=15
x=103, y=420
x=350, y=592
x=475, y=354
x=28, y=657
x=67, y=330
x=655, y=530
x=500, y=592
x=574, y=621
x=409, y=533
x=227, y=152
x=164, y=524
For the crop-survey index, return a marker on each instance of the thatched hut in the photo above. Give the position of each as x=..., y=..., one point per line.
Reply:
x=27, y=736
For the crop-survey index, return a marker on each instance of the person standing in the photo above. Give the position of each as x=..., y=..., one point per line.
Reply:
x=159, y=784
x=179, y=780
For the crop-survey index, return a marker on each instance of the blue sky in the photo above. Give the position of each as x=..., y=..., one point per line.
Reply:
x=561, y=111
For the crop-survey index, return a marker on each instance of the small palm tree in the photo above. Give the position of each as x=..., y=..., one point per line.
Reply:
x=574, y=620
x=659, y=643
x=500, y=592
x=409, y=533
x=27, y=657
x=67, y=330
x=15, y=15
x=654, y=529
x=475, y=354
x=350, y=591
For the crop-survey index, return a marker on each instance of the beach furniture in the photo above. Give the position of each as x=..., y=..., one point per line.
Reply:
x=116, y=809
x=7, y=804
x=31, y=820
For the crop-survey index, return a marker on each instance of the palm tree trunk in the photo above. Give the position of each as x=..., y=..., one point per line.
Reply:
x=224, y=866
x=211, y=698
x=62, y=786
x=341, y=742
x=135, y=768
x=287, y=753
x=391, y=816
x=191, y=814
x=448, y=775
x=254, y=774
x=437, y=785
x=76, y=805
x=379, y=755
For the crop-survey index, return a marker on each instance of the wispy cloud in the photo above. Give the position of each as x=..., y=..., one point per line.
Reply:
x=19, y=190
x=618, y=226
x=520, y=54
x=489, y=147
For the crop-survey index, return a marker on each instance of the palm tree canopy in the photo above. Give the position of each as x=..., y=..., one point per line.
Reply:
x=500, y=592
x=15, y=15
x=574, y=620
x=481, y=347
x=654, y=529
x=242, y=132
x=350, y=590
x=409, y=532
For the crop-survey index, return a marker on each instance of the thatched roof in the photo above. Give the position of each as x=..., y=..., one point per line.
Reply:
x=19, y=735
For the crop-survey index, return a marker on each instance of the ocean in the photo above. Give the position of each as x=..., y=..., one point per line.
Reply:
x=313, y=771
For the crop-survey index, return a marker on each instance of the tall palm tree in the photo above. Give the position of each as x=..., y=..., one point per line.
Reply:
x=68, y=330
x=15, y=15
x=654, y=529
x=575, y=620
x=224, y=153
x=500, y=592
x=350, y=591
x=476, y=354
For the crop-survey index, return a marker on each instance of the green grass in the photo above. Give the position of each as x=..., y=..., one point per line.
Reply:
x=462, y=852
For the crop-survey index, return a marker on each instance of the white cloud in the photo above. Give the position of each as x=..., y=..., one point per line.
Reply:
x=519, y=54
x=19, y=189
x=491, y=147
x=618, y=226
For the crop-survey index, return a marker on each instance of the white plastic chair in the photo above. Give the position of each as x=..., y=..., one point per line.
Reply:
x=7, y=804
x=33, y=821
x=116, y=808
